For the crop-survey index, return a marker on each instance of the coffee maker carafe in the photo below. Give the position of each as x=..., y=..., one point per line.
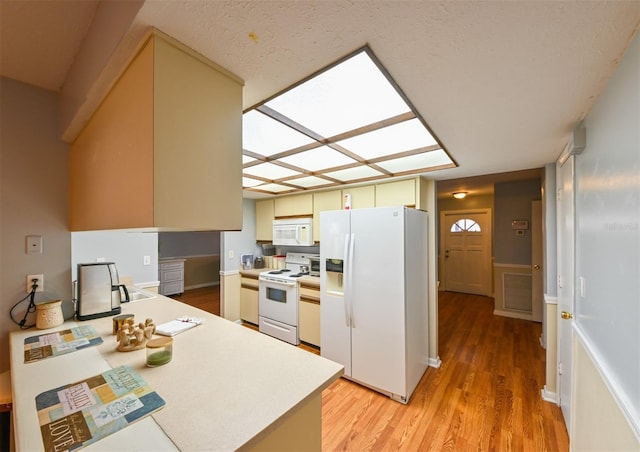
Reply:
x=99, y=292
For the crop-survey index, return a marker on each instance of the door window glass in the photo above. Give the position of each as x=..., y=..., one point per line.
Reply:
x=465, y=224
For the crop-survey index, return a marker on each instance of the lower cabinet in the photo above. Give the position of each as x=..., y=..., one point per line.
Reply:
x=309, y=314
x=249, y=299
x=171, y=276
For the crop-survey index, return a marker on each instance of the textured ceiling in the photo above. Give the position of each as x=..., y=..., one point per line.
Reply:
x=501, y=83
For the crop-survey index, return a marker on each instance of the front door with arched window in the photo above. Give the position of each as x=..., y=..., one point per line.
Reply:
x=465, y=246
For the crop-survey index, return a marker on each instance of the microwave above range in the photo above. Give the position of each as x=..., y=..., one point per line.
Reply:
x=293, y=232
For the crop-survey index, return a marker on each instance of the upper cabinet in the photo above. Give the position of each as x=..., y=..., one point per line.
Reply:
x=361, y=197
x=324, y=200
x=164, y=149
x=294, y=205
x=400, y=193
x=264, y=220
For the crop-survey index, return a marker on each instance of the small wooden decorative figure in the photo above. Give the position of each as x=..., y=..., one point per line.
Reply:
x=134, y=337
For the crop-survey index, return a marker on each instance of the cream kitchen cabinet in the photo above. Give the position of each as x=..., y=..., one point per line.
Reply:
x=264, y=219
x=164, y=148
x=171, y=273
x=249, y=298
x=324, y=200
x=361, y=197
x=399, y=193
x=309, y=311
x=294, y=205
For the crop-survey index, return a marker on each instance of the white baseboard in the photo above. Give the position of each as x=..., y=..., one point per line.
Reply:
x=435, y=362
x=512, y=314
x=147, y=285
x=549, y=396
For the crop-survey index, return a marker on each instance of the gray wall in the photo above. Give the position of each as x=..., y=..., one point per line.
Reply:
x=608, y=232
x=126, y=249
x=512, y=201
x=34, y=192
x=183, y=244
x=240, y=242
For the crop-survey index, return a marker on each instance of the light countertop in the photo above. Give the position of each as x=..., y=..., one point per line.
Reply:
x=227, y=386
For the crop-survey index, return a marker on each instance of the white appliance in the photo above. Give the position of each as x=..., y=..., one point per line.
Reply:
x=374, y=296
x=278, y=298
x=293, y=232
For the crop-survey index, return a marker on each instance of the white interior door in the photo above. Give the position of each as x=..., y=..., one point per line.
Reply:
x=566, y=282
x=536, y=262
x=466, y=244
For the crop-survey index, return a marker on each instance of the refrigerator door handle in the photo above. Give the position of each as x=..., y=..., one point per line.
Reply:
x=352, y=242
x=345, y=289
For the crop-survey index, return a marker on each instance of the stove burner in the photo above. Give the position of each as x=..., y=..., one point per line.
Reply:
x=275, y=272
x=284, y=270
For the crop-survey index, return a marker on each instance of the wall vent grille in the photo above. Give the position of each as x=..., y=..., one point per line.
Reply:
x=516, y=290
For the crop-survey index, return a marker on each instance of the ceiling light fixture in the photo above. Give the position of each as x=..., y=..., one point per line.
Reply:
x=460, y=194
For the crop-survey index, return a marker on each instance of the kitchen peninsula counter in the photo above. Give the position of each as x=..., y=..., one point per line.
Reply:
x=227, y=387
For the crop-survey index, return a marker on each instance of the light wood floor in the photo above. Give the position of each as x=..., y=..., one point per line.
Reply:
x=485, y=396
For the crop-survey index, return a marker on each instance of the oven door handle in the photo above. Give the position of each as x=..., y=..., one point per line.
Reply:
x=278, y=283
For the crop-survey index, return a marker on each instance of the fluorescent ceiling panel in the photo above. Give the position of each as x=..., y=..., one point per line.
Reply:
x=404, y=136
x=351, y=94
x=358, y=172
x=247, y=159
x=274, y=188
x=270, y=171
x=309, y=181
x=354, y=98
x=318, y=159
x=418, y=161
x=266, y=136
x=249, y=182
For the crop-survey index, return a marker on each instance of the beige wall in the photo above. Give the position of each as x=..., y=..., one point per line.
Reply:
x=33, y=199
x=201, y=271
x=470, y=202
x=598, y=422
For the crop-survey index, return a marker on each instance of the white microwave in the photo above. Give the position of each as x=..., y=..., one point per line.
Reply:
x=293, y=232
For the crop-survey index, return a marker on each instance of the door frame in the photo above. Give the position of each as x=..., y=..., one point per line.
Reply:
x=441, y=247
x=565, y=177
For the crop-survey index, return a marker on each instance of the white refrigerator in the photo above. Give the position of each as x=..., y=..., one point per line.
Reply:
x=374, y=296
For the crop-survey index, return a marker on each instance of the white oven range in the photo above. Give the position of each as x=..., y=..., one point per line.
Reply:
x=278, y=298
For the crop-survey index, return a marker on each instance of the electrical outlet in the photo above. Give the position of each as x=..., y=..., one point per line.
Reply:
x=146, y=260
x=40, y=282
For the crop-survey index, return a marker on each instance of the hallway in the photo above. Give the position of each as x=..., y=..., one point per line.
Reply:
x=485, y=396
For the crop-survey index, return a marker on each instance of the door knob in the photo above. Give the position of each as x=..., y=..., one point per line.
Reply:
x=566, y=315
x=537, y=267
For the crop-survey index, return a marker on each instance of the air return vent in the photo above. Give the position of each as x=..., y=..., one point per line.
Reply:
x=516, y=290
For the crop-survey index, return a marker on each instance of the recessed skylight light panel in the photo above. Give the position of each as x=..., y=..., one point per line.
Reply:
x=318, y=159
x=266, y=136
x=404, y=136
x=347, y=96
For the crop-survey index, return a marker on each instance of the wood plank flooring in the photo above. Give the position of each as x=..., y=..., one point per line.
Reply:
x=485, y=396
